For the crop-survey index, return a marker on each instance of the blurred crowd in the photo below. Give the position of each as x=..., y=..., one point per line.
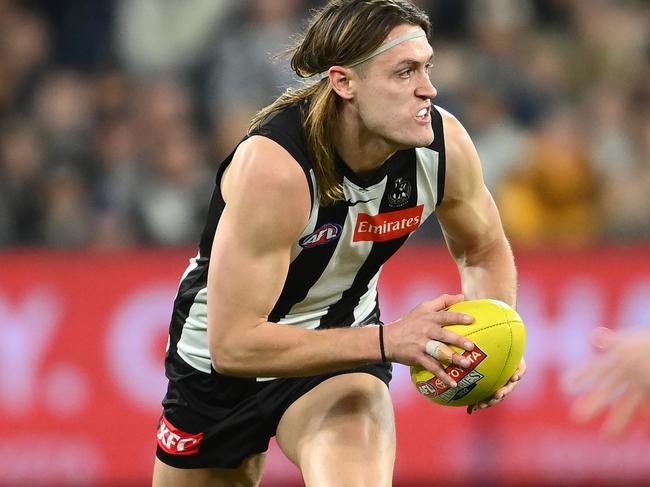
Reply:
x=114, y=114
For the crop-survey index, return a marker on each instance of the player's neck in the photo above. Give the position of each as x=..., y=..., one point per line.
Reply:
x=362, y=150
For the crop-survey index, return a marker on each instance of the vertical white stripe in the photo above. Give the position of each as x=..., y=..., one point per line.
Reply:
x=368, y=300
x=427, y=177
x=193, y=344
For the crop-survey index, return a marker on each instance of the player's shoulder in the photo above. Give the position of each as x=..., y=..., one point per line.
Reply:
x=285, y=126
x=265, y=184
x=463, y=174
x=262, y=164
x=458, y=143
x=455, y=132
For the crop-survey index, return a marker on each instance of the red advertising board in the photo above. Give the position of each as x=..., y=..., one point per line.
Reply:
x=82, y=338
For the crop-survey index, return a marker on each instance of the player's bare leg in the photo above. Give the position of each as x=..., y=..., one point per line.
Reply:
x=342, y=433
x=248, y=474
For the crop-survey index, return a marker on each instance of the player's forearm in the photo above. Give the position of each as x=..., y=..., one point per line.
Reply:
x=274, y=350
x=490, y=273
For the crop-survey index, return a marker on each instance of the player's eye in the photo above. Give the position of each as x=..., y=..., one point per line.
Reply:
x=405, y=73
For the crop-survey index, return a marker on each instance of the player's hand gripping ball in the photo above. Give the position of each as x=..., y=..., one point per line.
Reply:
x=499, y=337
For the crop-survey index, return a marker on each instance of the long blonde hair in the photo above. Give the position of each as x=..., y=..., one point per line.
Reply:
x=337, y=34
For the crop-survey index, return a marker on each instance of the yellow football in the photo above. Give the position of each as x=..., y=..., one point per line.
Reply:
x=499, y=336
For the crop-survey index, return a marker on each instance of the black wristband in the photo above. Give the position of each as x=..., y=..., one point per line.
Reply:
x=381, y=343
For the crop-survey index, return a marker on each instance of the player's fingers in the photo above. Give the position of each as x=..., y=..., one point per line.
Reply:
x=445, y=300
x=590, y=404
x=444, y=318
x=496, y=398
x=441, y=352
x=479, y=405
x=520, y=372
x=501, y=394
x=452, y=338
x=625, y=409
x=608, y=366
x=611, y=378
x=488, y=404
x=461, y=361
x=584, y=377
x=433, y=366
x=507, y=389
x=595, y=370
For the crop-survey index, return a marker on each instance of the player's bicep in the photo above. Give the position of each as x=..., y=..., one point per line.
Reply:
x=243, y=277
x=267, y=207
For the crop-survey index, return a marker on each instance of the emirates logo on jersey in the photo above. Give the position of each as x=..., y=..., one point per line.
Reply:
x=325, y=234
x=177, y=442
x=387, y=226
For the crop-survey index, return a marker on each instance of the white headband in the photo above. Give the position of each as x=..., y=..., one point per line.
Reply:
x=414, y=34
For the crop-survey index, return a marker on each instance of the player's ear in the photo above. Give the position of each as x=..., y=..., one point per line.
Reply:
x=341, y=81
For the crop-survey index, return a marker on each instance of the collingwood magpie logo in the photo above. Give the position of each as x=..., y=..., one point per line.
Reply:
x=400, y=194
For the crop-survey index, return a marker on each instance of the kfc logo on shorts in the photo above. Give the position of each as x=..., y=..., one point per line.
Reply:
x=387, y=226
x=177, y=442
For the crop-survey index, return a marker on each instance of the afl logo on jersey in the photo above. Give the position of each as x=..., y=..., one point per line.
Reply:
x=325, y=234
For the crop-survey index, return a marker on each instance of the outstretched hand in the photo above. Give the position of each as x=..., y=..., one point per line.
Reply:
x=617, y=380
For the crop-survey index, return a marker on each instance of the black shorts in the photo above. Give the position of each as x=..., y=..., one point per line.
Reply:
x=216, y=421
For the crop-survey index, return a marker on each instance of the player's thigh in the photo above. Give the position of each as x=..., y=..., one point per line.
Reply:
x=248, y=474
x=342, y=432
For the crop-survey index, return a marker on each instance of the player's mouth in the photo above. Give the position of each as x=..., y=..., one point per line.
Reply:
x=424, y=115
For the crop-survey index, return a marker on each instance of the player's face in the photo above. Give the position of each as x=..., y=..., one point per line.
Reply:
x=394, y=95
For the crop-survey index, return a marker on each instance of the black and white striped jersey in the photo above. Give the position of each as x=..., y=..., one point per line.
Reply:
x=336, y=262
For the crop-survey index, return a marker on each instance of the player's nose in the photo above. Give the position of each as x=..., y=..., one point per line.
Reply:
x=426, y=88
